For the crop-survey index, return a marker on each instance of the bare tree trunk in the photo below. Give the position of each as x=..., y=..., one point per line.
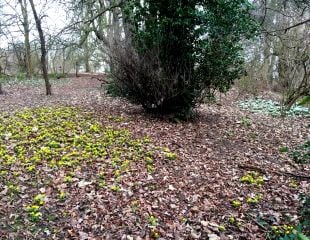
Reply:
x=77, y=69
x=23, y=6
x=63, y=61
x=43, y=49
x=54, y=65
x=126, y=27
x=1, y=92
x=86, y=57
x=87, y=64
x=116, y=24
x=1, y=69
x=6, y=63
x=18, y=55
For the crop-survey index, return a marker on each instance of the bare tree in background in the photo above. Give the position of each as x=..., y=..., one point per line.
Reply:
x=26, y=29
x=43, y=49
x=279, y=58
x=99, y=23
x=1, y=91
x=294, y=65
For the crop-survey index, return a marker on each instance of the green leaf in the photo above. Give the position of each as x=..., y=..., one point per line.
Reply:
x=301, y=236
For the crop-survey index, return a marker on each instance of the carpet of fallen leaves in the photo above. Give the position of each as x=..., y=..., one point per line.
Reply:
x=83, y=165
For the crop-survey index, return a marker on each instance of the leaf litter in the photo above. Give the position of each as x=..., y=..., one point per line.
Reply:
x=141, y=177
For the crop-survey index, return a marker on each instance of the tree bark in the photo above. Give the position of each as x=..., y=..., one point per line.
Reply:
x=43, y=49
x=86, y=57
x=23, y=6
x=126, y=27
x=77, y=69
x=63, y=61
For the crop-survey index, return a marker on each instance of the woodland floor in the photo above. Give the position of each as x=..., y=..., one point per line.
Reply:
x=190, y=197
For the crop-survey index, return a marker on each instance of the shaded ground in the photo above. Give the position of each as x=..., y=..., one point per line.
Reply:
x=75, y=91
x=187, y=198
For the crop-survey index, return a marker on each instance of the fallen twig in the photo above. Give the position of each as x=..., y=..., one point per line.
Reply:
x=288, y=174
x=256, y=222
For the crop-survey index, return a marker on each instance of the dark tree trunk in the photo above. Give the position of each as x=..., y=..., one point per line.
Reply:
x=43, y=49
x=87, y=64
x=77, y=66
